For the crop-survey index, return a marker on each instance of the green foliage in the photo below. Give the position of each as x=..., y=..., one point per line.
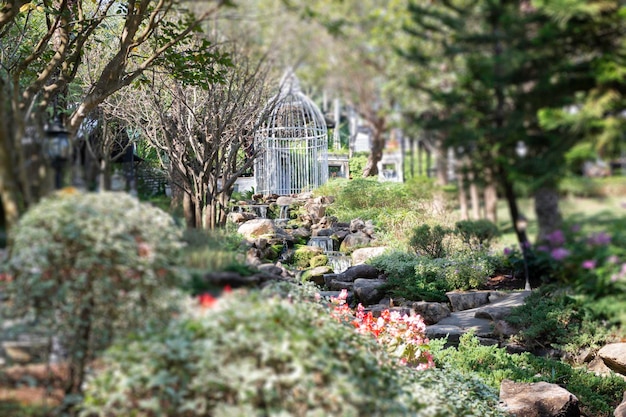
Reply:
x=256, y=354
x=477, y=234
x=598, y=395
x=304, y=255
x=417, y=278
x=468, y=270
x=211, y=250
x=552, y=318
x=357, y=163
x=408, y=276
x=90, y=267
x=430, y=241
x=367, y=198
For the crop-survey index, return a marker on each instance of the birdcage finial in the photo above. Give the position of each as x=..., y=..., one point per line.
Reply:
x=289, y=84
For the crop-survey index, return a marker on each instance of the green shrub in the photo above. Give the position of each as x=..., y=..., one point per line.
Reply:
x=88, y=267
x=258, y=355
x=477, y=234
x=553, y=318
x=599, y=396
x=430, y=241
x=417, y=278
x=412, y=277
x=468, y=271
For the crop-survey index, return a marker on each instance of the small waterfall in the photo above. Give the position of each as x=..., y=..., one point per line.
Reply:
x=284, y=213
x=338, y=261
x=324, y=242
x=262, y=209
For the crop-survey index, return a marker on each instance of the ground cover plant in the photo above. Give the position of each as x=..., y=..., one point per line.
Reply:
x=599, y=396
x=275, y=352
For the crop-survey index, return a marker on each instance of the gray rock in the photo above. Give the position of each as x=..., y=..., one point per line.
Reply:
x=270, y=269
x=503, y=328
x=466, y=300
x=316, y=275
x=257, y=227
x=368, y=291
x=356, y=225
x=337, y=285
x=540, y=399
x=359, y=271
x=439, y=331
x=284, y=200
x=377, y=309
x=354, y=240
x=493, y=313
x=431, y=312
x=614, y=356
x=361, y=255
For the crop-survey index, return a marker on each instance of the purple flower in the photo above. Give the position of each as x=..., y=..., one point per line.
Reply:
x=599, y=239
x=559, y=254
x=589, y=264
x=543, y=248
x=613, y=259
x=507, y=251
x=556, y=238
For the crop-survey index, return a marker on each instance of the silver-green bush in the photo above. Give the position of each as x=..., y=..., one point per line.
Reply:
x=86, y=267
x=259, y=355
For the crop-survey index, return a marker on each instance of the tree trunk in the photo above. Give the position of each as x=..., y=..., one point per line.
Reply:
x=376, y=154
x=547, y=211
x=441, y=163
x=8, y=187
x=490, y=194
x=474, y=197
x=463, y=195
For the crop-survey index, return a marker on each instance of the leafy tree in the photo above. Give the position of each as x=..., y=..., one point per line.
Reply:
x=510, y=65
x=203, y=133
x=44, y=44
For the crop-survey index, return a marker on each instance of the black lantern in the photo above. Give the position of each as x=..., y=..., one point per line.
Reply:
x=57, y=149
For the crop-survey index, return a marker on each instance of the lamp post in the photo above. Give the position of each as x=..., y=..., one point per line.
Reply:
x=57, y=149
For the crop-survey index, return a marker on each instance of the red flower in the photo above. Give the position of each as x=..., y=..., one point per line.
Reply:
x=206, y=300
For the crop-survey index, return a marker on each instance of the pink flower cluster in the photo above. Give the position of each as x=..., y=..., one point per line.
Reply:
x=401, y=335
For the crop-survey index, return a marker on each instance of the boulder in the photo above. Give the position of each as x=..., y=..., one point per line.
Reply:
x=284, y=200
x=493, y=313
x=465, y=300
x=256, y=228
x=614, y=356
x=368, y=291
x=440, y=331
x=354, y=240
x=360, y=255
x=271, y=269
x=337, y=285
x=620, y=411
x=358, y=271
x=316, y=275
x=357, y=225
x=232, y=279
x=431, y=312
x=377, y=309
x=539, y=399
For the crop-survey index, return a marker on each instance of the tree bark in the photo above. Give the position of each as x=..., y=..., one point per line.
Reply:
x=547, y=211
x=490, y=194
x=463, y=195
x=378, y=145
x=474, y=196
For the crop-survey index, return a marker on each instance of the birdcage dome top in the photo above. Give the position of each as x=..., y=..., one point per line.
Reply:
x=293, y=114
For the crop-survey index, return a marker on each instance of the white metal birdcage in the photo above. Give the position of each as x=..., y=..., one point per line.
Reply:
x=293, y=142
